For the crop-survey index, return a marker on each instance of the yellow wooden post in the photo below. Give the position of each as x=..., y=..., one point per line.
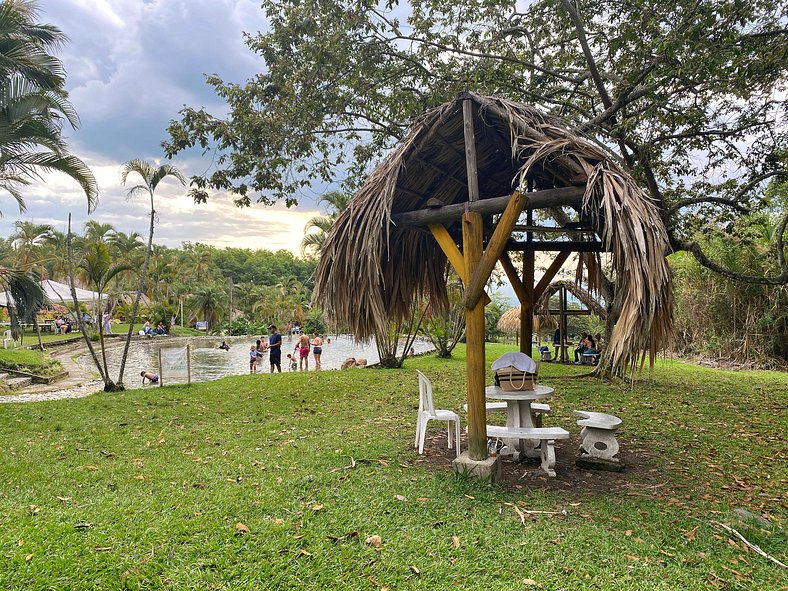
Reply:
x=472, y=242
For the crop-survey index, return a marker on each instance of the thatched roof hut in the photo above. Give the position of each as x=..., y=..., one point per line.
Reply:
x=585, y=297
x=509, y=322
x=379, y=255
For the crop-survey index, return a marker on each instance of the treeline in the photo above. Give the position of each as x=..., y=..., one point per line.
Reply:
x=195, y=280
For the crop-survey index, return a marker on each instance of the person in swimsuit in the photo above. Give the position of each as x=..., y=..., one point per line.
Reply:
x=224, y=346
x=303, y=352
x=317, y=344
x=153, y=378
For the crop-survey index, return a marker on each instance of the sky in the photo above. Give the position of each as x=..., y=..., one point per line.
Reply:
x=132, y=65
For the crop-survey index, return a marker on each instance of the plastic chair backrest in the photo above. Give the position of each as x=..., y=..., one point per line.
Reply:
x=7, y=334
x=425, y=392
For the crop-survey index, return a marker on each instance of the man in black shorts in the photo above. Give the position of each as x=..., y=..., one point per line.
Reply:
x=275, y=349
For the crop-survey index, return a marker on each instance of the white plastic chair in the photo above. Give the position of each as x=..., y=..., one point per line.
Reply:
x=427, y=411
x=8, y=338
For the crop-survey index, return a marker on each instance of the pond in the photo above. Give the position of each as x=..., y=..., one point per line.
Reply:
x=209, y=363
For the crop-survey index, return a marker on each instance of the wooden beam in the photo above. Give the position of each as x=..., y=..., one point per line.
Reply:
x=571, y=196
x=549, y=229
x=495, y=246
x=472, y=173
x=514, y=277
x=555, y=246
x=473, y=248
x=474, y=349
x=551, y=272
x=527, y=309
x=456, y=260
x=572, y=312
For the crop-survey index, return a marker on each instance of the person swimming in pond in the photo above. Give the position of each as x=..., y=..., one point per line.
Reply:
x=153, y=378
x=224, y=346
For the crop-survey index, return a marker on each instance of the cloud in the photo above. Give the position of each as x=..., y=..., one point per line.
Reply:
x=132, y=65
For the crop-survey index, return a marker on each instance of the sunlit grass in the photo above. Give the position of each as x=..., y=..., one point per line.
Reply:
x=144, y=489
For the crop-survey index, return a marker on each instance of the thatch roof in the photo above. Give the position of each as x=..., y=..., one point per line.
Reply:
x=584, y=296
x=509, y=322
x=371, y=270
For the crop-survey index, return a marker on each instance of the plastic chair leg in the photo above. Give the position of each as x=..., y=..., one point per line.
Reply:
x=423, y=434
x=449, y=433
x=457, y=436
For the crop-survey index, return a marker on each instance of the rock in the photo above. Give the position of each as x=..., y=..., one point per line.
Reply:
x=749, y=517
x=361, y=362
x=349, y=362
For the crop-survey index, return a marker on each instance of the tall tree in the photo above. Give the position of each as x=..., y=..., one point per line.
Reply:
x=150, y=176
x=33, y=104
x=27, y=239
x=684, y=93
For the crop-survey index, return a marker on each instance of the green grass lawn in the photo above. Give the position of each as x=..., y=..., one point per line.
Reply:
x=30, y=361
x=144, y=489
x=30, y=339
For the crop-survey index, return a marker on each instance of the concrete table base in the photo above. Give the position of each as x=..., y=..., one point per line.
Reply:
x=489, y=468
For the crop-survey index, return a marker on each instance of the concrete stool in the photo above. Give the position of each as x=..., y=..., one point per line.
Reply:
x=597, y=438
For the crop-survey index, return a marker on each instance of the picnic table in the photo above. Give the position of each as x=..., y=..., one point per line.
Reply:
x=523, y=435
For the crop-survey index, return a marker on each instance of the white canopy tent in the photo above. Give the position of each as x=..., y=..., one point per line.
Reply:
x=59, y=293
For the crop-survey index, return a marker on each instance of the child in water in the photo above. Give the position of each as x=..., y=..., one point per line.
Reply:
x=292, y=362
x=253, y=359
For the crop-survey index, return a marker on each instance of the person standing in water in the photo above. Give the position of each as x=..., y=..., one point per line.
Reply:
x=317, y=349
x=303, y=352
x=275, y=349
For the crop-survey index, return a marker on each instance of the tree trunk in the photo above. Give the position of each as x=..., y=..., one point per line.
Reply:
x=140, y=287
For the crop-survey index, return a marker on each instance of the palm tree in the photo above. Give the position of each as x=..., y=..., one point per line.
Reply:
x=26, y=294
x=33, y=104
x=314, y=242
x=56, y=261
x=99, y=270
x=98, y=232
x=210, y=301
x=27, y=238
x=151, y=177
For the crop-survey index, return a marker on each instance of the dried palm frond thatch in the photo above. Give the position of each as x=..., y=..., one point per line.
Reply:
x=370, y=270
x=509, y=322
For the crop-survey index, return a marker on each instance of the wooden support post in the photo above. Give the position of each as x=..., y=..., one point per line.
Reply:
x=527, y=308
x=472, y=242
x=501, y=235
x=473, y=247
x=562, y=323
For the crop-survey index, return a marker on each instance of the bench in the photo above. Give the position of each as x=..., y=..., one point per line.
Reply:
x=537, y=408
x=589, y=358
x=597, y=438
x=547, y=436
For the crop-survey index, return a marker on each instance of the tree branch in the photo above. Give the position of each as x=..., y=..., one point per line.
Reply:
x=696, y=200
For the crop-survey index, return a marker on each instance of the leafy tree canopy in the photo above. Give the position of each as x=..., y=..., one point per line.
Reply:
x=688, y=94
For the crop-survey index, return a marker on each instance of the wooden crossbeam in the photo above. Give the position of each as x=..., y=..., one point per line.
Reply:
x=556, y=246
x=569, y=196
x=495, y=247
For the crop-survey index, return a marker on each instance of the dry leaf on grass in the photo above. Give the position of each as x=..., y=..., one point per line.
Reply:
x=529, y=582
x=691, y=533
x=241, y=528
x=103, y=548
x=317, y=507
x=401, y=498
x=91, y=468
x=374, y=541
x=455, y=541
x=28, y=558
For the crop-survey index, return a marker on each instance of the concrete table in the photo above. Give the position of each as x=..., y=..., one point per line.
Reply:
x=520, y=415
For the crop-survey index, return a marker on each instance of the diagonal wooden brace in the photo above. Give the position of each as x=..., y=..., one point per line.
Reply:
x=449, y=248
x=514, y=277
x=495, y=246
